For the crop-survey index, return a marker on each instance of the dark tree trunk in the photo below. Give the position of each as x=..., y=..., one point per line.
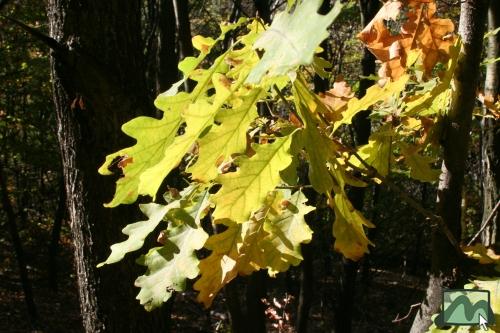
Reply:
x=235, y=14
x=246, y=309
x=263, y=10
x=306, y=289
x=490, y=150
x=17, y=247
x=233, y=303
x=55, y=236
x=166, y=56
x=306, y=277
x=361, y=123
x=445, y=268
x=256, y=291
x=99, y=83
x=362, y=128
x=181, y=9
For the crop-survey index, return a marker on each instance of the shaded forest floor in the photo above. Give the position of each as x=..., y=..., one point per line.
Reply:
x=378, y=300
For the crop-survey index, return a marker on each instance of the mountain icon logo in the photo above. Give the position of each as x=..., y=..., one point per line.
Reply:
x=465, y=307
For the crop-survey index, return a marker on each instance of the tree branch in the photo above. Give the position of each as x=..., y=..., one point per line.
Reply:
x=38, y=35
x=412, y=202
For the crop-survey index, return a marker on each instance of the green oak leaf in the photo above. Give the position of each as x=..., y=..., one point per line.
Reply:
x=198, y=117
x=153, y=138
x=244, y=191
x=319, y=148
x=350, y=237
x=420, y=165
x=227, y=138
x=159, y=149
x=292, y=39
x=285, y=232
x=270, y=239
x=378, y=152
x=169, y=266
x=137, y=232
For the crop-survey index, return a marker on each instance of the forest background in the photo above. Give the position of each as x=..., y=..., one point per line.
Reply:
x=123, y=56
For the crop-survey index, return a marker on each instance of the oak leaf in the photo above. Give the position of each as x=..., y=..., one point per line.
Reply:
x=270, y=239
x=244, y=191
x=421, y=31
x=336, y=99
x=288, y=43
x=350, y=237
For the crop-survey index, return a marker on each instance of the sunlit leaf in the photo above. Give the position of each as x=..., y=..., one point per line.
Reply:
x=244, y=191
x=289, y=42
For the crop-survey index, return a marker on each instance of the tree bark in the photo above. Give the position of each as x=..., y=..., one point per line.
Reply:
x=445, y=267
x=490, y=150
x=99, y=83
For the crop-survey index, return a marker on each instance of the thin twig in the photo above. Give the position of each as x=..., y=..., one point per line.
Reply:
x=287, y=102
x=296, y=187
x=488, y=220
x=283, y=98
x=397, y=319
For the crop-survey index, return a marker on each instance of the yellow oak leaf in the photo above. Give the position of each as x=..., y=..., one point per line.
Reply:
x=350, y=237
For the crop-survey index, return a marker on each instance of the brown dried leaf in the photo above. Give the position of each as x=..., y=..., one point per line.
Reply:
x=490, y=104
x=421, y=31
x=336, y=99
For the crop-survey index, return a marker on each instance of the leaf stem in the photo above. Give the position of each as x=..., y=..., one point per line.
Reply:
x=294, y=187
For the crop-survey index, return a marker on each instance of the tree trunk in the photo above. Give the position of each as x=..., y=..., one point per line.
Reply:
x=166, y=57
x=306, y=288
x=233, y=303
x=306, y=291
x=445, y=268
x=256, y=291
x=362, y=129
x=18, y=247
x=181, y=9
x=490, y=150
x=99, y=83
x=263, y=10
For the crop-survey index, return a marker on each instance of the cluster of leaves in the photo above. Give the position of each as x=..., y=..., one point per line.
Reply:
x=243, y=168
